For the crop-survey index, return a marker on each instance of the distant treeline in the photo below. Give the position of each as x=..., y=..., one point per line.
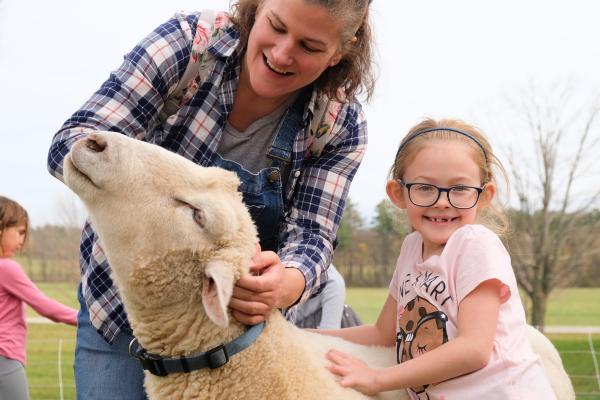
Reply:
x=365, y=254
x=52, y=254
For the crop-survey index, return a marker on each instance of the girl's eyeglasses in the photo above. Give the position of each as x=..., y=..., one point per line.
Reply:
x=426, y=194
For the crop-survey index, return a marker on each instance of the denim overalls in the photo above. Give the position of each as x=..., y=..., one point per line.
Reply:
x=263, y=193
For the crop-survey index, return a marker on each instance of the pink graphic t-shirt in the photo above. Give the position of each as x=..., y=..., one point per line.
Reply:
x=428, y=294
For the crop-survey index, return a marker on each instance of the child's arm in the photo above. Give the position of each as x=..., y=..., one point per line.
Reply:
x=383, y=333
x=18, y=284
x=470, y=351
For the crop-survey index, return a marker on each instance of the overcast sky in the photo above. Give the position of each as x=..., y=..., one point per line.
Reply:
x=436, y=58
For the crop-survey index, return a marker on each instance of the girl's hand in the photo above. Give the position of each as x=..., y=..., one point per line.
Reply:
x=354, y=372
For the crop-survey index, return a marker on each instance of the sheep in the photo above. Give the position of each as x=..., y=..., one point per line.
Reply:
x=176, y=283
x=555, y=371
x=198, y=239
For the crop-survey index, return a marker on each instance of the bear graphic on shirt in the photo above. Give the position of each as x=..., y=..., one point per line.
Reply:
x=421, y=328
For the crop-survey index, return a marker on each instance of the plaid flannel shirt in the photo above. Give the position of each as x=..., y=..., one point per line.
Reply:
x=129, y=102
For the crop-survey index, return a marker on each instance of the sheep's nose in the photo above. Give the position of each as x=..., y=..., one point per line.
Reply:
x=96, y=144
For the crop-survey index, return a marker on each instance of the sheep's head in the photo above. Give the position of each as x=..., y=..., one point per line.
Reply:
x=162, y=218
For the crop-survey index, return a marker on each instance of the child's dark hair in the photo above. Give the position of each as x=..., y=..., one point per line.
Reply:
x=12, y=214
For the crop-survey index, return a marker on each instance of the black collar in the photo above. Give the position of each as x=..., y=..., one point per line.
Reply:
x=213, y=358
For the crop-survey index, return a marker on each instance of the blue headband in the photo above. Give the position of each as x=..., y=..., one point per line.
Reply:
x=424, y=131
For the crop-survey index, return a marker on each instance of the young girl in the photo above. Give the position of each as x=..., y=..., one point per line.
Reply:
x=453, y=308
x=15, y=289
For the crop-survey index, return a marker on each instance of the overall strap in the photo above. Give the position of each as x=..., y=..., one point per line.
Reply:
x=290, y=125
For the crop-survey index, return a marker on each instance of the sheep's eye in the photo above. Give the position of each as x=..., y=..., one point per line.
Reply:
x=199, y=217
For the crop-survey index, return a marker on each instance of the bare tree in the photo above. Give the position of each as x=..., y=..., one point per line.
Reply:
x=53, y=250
x=69, y=211
x=550, y=234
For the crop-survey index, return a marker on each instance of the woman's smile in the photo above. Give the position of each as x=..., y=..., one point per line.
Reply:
x=273, y=68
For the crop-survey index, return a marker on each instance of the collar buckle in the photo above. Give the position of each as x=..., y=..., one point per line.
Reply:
x=150, y=362
x=217, y=357
x=153, y=364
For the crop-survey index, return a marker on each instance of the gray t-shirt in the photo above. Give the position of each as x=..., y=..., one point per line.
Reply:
x=249, y=148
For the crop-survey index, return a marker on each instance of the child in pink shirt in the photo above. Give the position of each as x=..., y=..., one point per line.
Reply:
x=453, y=309
x=16, y=289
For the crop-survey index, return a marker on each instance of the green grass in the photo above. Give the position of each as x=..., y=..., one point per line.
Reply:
x=571, y=306
x=580, y=306
x=566, y=307
x=577, y=359
x=367, y=302
x=42, y=364
x=42, y=348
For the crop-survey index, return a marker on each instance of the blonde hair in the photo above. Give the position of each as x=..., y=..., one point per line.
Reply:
x=353, y=75
x=490, y=166
x=12, y=214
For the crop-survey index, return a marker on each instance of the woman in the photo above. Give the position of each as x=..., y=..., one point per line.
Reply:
x=273, y=60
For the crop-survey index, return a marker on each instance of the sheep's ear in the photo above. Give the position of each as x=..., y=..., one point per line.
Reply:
x=216, y=292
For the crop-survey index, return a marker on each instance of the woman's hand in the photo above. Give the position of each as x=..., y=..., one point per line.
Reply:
x=354, y=372
x=270, y=285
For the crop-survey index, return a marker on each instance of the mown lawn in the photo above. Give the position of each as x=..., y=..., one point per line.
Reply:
x=571, y=306
x=43, y=341
x=567, y=307
x=577, y=358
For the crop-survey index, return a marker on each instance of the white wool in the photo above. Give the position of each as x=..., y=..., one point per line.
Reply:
x=552, y=364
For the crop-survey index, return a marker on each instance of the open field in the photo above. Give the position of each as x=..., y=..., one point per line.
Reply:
x=572, y=306
x=567, y=307
x=43, y=341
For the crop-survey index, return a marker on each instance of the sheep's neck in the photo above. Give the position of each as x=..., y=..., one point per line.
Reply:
x=193, y=331
x=165, y=308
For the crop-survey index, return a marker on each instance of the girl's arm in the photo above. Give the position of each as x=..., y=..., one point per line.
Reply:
x=17, y=283
x=383, y=333
x=470, y=351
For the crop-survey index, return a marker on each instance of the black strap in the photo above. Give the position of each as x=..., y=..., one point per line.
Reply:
x=213, y=358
